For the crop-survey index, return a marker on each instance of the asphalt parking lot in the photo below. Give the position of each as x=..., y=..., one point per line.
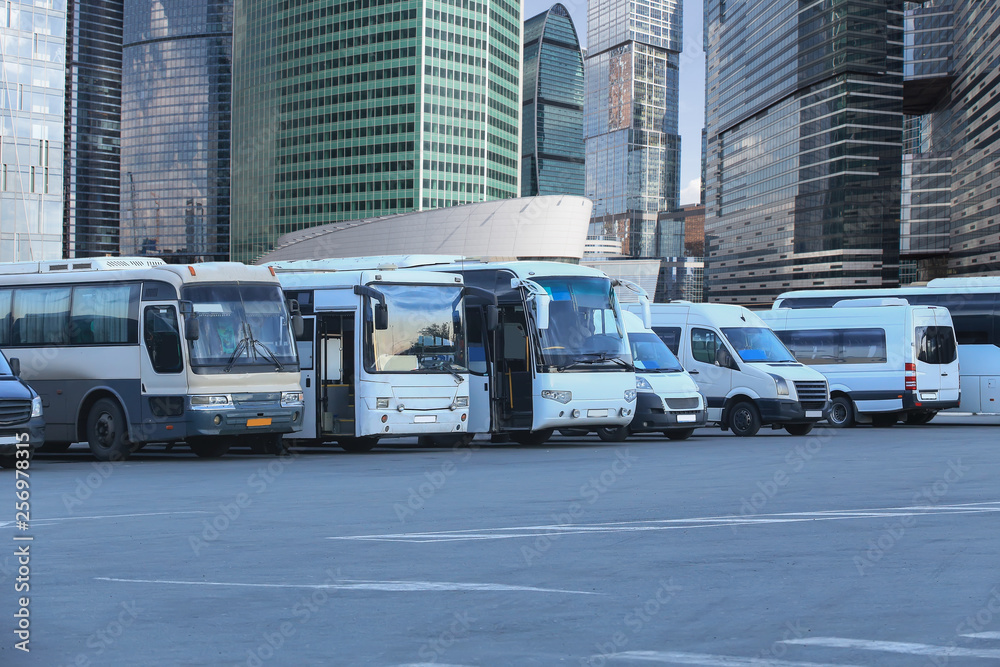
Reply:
x=852, y=547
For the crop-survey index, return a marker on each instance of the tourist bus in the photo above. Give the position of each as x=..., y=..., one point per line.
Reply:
x=383, y=351
x=129, y=351
x=558, y=358
x=974, y=304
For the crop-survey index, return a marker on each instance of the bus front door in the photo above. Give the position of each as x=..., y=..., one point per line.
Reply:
x=513, y=375
x=163, y=386
x=306, y=344
x=335, y=375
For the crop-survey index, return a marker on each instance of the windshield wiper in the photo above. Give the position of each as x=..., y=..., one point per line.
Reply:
x=600, y=357
x=255, y=344
x=443, y=365
x=240, y=348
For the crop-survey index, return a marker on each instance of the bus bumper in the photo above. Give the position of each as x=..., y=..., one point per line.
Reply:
x=400, y=424
x=242, y=421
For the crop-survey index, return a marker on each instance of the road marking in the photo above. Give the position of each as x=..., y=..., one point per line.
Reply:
x=983, y=635
x=895, y=647
x=37, y=522
x=709, y=660
x=522, y=532
x=361, y=585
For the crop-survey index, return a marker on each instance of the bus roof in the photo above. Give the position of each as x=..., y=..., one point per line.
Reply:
x=302, y=279
x=119, y=269
x=958, y=285
x=453, y=263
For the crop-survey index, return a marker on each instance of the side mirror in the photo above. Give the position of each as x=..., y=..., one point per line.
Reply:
x=15, y=366
x=192, y=327
x=542, y=302
x=492, y=317
x=298, y=324
x=647, y=315
x=381, y=316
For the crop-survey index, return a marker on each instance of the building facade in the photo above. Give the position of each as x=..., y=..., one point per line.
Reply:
x=32, y=94
x=552, y=155
x=370, y=108
x=93, y=128
x=951, y=170
x=176, y=127
x=804, y=135
x=630, y=118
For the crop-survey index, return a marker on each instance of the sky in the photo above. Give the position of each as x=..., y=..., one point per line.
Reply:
x=692, y=88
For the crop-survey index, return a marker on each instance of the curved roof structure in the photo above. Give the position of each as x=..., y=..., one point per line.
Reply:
x=553, y=227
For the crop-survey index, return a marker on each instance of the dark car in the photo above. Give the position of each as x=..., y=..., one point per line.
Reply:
x=20, y=414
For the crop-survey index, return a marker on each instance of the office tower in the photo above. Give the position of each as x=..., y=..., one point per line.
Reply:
x=175, y=136
x=552, y=155
x=367, y=108
x=32, y=49
x=93, y=128
x=630, y=118
x=804, y=132
x=951, y=174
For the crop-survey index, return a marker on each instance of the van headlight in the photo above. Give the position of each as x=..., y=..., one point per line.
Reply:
x=642, y=384
x=211, y=402
x=291, y=399
x=629, y=395
x=36, y=406
x=557, y=395
x=780, y=385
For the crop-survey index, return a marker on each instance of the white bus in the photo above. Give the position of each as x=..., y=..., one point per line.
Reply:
x=129, y=351
x=558, y=358
x=974, y=304
x=383, y=351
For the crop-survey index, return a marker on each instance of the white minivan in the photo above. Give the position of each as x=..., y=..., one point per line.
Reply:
x=667, y=397
x=885, y=359
x=748, y=377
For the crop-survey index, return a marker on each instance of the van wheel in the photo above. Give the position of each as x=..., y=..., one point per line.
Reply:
x=841, y=412
x=210, y=448
x=363, y=444
x=919, y=418
x=884, y=420
x=798, y=429
x=679, y=433
x=107, y=431
x=532, y=437
x=613, y=433
x=743, y=419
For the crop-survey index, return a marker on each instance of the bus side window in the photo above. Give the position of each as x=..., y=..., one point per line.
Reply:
x=163, y=340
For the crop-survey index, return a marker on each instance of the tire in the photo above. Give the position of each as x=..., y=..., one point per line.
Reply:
x=533, y=438
x=841, y=412
x=614, y=433
x=920, y=418
x=54, y=447
x=358, y=445
x=798, y=429
x=743, y=419
x=210, y=448
x=679, y=433
x=883, y=420
x=107, y=431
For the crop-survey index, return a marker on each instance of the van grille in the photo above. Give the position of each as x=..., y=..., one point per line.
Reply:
x=812, y=395
x=682, y=403
x=14, y=411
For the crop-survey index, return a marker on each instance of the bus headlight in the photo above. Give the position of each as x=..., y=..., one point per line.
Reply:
x=211, y=402
x=630, y=395
x=462, y=402
x=558, y=396
x=780, y=385
x=291, y=399
x=36, y=406
x=642, y=384
x=381, y=403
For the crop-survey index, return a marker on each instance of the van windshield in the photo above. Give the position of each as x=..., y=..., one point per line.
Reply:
x=651, y=355
x=757, y=344
x=4, y=366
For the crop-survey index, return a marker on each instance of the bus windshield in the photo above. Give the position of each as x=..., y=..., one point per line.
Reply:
x=426, y=331
x=757, y=344
x=584, y=324
x=241, y=325
x=651, y=355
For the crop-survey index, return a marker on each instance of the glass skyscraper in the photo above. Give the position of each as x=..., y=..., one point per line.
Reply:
x=93, y=128
x=364, y=108
x=552, y=155
x=176, y=125
x=32, y=86
x=804, y=125
x=630, y=118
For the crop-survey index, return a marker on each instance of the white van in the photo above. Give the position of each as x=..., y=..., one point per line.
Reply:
x=748, y=377
x=667, y=397
x=885, y=359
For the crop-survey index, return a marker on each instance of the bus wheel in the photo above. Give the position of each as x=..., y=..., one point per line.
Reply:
x=884, y=420
x=744, y=420
x=107, y=432
x=210, y=448
x=54, y=447
x=798, y=429
x=679, y=433
x=918, y=418
x=365, y=444
x=841, y=412
x=531, y=437
x=613, y=433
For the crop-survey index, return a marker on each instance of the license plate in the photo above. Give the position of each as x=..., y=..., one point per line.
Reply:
x=687, y=418
x=425, y=419
x=260, y=421
x=814, y=413
x=8, y=440
x=597, y=413
x=928, y=396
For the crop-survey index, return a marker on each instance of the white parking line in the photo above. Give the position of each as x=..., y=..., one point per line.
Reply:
x=709, y=660
x=896, y=647
x=356, y=585
x=522, y=532
x=983, y=635
x=42, y=522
